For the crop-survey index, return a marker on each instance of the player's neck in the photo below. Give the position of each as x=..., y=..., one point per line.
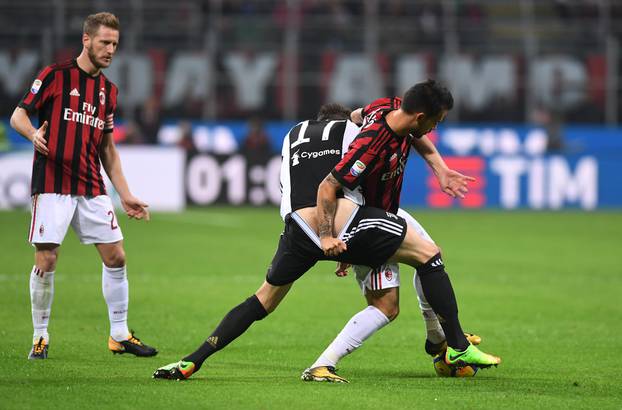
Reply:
x=398, y=123
x=86, y=65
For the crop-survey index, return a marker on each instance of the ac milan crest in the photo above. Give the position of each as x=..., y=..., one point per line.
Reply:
x=41, y=230
x=102, y=97
x=388, y=274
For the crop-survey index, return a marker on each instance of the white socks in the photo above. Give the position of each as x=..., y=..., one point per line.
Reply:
x=41, y=296
x=361, y=326
x=433, y=328
x=115, y=289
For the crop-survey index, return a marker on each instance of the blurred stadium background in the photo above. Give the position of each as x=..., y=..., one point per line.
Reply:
x=209, y=88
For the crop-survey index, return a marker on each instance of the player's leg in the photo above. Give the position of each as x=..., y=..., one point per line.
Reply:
x=232, y=326
x=381, y=290
x=435, y=337
x=426, y=258
x=51, y=215
x=95, y=223
x=115, y=288
x=287, y=266
x=41, y=297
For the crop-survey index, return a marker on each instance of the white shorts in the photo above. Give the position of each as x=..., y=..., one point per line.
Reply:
x=93, y=219
x=388, y=275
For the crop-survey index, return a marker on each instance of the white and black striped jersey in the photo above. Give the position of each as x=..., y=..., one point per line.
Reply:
x=310, y=151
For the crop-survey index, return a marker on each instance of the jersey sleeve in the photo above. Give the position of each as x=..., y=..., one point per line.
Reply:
x=111, y=109
x=40, y=91
x=357, y=162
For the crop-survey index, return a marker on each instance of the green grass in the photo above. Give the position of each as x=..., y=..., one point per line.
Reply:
x=543, y=289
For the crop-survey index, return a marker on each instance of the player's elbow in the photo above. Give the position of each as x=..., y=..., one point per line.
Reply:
x=14, y=120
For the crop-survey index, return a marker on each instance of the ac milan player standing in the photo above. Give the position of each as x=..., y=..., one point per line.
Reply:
x=76, y=105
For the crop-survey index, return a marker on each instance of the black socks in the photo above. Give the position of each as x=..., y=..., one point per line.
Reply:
x=232, y=325
x=440, y=295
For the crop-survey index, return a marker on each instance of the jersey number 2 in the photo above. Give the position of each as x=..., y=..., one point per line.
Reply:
x=113, y=224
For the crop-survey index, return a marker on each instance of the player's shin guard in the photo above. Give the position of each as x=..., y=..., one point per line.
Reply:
x=440, y=295
x=41, y=296
x=116, y=294
x=236, y=322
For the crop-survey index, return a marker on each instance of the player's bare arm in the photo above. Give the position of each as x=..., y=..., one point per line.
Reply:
x=20, y=121
x=357, y=116
x=326, y=209
x=134, y=207
x=451, y=182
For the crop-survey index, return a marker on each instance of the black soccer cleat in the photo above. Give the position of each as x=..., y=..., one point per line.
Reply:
x=132, y=345
x=39, y=350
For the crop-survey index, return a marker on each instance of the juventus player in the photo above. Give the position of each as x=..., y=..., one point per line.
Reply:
x=373, y=236
x=76, y=105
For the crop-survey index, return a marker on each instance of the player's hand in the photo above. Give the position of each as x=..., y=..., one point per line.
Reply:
x=38, y=139
x=332, y=246
x=454, y=183
x=342, y=269
x=135, y=208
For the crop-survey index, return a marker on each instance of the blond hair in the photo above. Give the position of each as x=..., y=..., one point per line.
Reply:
x=94, y=21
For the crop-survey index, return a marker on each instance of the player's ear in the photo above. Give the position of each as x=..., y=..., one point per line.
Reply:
x=419, y=117
x=86, y=39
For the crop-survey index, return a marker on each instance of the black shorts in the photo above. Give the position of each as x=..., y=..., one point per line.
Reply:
x=372, y=237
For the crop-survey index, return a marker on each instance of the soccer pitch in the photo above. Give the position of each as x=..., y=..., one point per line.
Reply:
x=542, y=289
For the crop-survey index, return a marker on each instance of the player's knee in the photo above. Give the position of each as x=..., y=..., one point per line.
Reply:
x=46, y=260
x=427, y=251
x=392, y=313
x=115, y=258
x=389, y=309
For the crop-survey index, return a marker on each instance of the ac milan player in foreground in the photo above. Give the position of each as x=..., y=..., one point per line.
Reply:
x=76, y=105
x=327, y=227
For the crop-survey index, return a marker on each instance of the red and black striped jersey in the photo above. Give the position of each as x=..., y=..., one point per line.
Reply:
x=376, y=159
x=79, y=109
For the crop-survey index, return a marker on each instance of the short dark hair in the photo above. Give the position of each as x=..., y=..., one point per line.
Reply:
x=94, y=21
x=428, y=97
x=333, y=111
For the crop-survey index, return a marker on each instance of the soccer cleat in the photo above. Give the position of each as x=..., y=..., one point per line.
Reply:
x=435, y=349
x=175, y=371
x=442, y=369
x=39, y=350
x=132, y=345
x=322, y=374
x=471, y=356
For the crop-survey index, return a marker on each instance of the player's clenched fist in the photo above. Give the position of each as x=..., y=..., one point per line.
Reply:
x=38, y=139
x=332, y=246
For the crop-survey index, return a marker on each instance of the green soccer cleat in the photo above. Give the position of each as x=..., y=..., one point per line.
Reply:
x=39, y=350
x=322, y=374
x=435, y=349
x=471, y=356
x=175, y=371
x=132, y=345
